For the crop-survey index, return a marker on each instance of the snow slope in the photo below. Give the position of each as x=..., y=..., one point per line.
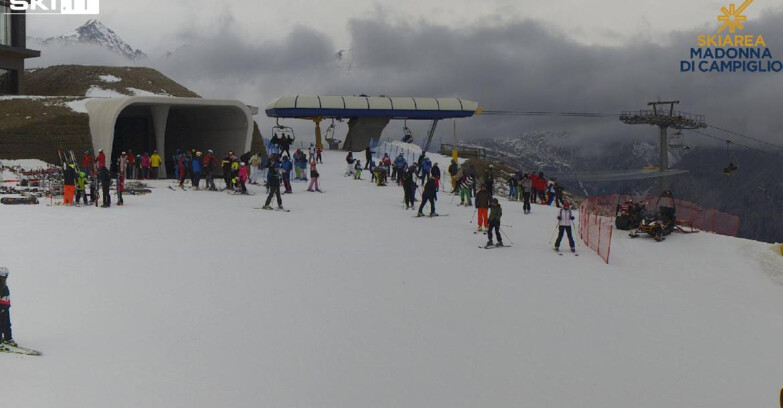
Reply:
x=195, y=299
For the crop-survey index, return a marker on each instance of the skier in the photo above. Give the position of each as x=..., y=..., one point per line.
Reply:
x=209, y=164
x=430, y=193
x=86, y=161
x=409, y=186
x=541, y=186
x=225, y=164
x=349, y=160
x=318, y=152
x=482, y=207
x=287, y=166
x=122, y=168
x=426, y=167
x=155, y=161
x=313, y=178
x=69, y=182
x=105, y=179
x=399, y=168
x=145, y=166
x=197, y=167
x=357, y=168
x=558, y=193
x=81, y=181
x=5, y=310
x=564, y=224
x=525, y=185
x=100, y=159
x=453, y=170
x=368, y=157
x=495, y=212
x=465, y=186
x=273, y=183
x=435, y=173
x=513, y=183
x=242, y=177
x=489, y=180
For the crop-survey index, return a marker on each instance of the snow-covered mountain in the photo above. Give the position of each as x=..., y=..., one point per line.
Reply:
x=96, y=33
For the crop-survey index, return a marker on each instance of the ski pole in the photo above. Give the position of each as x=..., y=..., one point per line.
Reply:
x=506, y=235
x=471, y=217
x=551, y=237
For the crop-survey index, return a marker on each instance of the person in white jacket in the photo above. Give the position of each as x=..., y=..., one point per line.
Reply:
x=565, y=218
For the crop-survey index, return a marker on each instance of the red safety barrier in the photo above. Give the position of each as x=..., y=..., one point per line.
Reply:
x=596, y=232
x=597, y=217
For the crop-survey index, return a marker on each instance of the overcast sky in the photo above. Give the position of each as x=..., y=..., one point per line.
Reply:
x=559, y=55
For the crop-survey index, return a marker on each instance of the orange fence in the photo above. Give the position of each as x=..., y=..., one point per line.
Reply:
x=597, y=219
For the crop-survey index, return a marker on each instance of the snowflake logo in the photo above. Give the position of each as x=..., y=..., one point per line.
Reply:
x=732, y=17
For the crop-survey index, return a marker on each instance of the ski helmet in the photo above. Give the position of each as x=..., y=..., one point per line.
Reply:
x=3, y=272
x=566, y=204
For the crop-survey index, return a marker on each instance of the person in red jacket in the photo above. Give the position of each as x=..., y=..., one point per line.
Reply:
x=541, y=187
x=86, y=162
x=533, y=187
x=100, y=159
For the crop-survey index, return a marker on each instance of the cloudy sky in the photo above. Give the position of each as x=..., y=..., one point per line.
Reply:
x=558, y=55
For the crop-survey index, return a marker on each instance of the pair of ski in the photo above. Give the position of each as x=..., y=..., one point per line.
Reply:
x=494, y=246
x=429, y=216
x=561, y=253
x=6, y=348
x=272, y=209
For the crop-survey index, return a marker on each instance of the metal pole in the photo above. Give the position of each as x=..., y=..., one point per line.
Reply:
x=664, y=158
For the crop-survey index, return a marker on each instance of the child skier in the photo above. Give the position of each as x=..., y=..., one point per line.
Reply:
x=313, y=178
x=81, y=181
x=564, y=224
x=357, y=168
x=495, y=212
x=5, y=310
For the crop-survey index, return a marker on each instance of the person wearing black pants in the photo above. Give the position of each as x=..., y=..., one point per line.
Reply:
x=429, y=194
x=525, y=185
x=409, y=186
x=565, y=218
x=273, y=183
x=5, y=310
x=495, y=212
x=105, y=185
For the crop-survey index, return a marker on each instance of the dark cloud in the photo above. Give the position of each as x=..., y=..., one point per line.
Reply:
x=516, y=66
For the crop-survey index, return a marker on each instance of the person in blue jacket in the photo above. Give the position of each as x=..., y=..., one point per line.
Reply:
x=287, y=166
x=399, y=168
x=426, y=166
x=197, y=167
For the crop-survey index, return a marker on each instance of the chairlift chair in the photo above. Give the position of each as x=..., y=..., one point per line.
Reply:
x=733, y=162
x=282, y=131
x=407, y=134
x=677, y=140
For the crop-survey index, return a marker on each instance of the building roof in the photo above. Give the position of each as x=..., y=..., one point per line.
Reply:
x=311, y=106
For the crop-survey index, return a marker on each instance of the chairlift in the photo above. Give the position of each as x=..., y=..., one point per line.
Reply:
x=329, y=134
x=407, y=134
x=677, y=140
x=282, y=131
x=732, y=159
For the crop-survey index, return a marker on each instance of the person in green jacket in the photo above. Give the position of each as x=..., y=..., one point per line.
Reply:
x=81, y=180
x=495, y=212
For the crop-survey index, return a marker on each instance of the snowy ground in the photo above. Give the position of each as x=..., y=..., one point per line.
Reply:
x=196, y=299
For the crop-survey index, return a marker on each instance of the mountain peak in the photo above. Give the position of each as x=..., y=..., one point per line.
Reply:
x=97, y=33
